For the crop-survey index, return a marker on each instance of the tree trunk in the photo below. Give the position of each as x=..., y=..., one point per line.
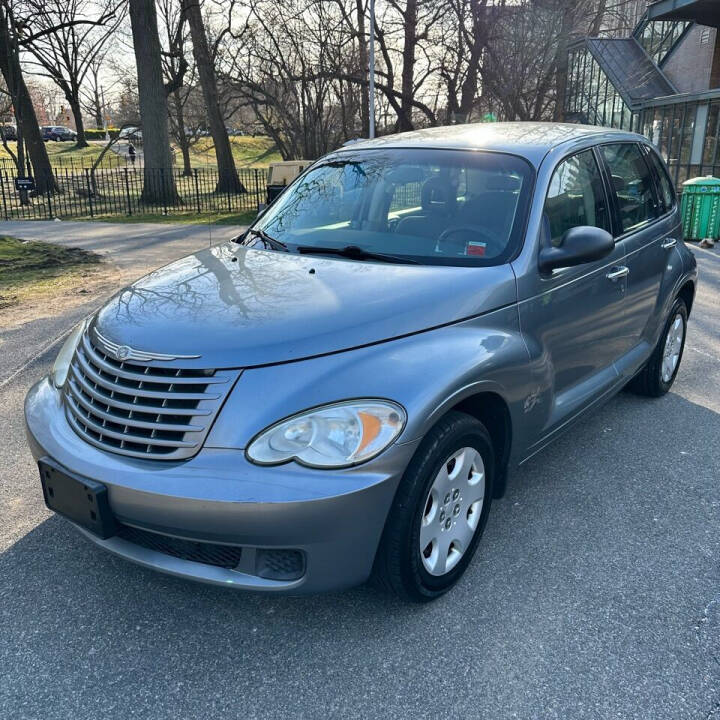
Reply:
x=74, y=102
x=561, y=66
x=408, y=70
x=158, y=179
x=468, y=92
x=181, y=136
x=28, y=127
x=364, y=68
x=228, y=180
x=97, y=102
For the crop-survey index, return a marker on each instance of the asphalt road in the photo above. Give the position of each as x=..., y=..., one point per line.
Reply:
x=595, y=594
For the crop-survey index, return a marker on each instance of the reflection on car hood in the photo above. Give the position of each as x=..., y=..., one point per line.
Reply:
x=238, y=307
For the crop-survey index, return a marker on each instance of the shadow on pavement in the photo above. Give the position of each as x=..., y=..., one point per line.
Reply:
x=592, y=595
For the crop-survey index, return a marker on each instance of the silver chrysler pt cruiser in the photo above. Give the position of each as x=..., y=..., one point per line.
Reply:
x=339, y=392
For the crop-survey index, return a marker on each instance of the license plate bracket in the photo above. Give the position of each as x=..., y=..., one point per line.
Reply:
x=82, y=500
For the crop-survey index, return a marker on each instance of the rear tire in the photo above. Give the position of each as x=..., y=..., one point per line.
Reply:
x=442, y=502
x=660, y=371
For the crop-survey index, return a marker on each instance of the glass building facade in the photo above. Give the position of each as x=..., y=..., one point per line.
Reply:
x=658, y=38
x=591, y=95
x=620, y=83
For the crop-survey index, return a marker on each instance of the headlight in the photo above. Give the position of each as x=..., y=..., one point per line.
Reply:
x=332, y=436
x=59, y=371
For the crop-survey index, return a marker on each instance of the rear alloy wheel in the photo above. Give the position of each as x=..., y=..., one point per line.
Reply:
x=674, y=341
x=439, y=512
x=658, y=375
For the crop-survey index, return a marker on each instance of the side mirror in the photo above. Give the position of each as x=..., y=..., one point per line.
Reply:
x=578, y=245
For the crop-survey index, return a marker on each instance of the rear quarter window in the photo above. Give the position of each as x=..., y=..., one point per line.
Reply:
x=667, y=191
x=632, y=184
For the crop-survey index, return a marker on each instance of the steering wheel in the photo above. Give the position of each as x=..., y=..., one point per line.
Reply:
x=474, y=231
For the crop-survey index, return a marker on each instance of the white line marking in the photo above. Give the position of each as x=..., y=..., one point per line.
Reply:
x=702, y=352
x=35, y=357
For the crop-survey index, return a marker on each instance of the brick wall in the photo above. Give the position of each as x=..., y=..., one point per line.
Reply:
x=689, y=68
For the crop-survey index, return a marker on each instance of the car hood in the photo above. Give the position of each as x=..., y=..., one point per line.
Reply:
x=238, y=307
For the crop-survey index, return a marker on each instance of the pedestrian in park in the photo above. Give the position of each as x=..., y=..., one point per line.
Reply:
x=131, y=153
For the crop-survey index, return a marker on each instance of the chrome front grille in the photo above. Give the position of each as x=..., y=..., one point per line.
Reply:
x=142, y=410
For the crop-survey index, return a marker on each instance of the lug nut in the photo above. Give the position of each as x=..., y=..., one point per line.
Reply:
x=447, y=498
x=456, y=494
x=448, y=524
x=456, y=511
x=442, y=515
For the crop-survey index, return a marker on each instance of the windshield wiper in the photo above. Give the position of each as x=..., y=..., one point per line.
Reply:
x=267, y=239
x=354, y=253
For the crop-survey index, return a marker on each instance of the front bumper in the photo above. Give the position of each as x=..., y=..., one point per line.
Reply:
x=334, y=518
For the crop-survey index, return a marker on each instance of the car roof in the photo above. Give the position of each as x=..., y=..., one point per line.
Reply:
x=531, y=140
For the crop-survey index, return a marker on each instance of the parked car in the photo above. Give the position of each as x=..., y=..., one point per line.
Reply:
x=131, y=134
x=57, y=133
x=341, y=391
x=9, y=132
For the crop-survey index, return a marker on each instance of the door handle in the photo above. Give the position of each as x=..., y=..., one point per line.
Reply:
x=668, y=243
x=618, y=272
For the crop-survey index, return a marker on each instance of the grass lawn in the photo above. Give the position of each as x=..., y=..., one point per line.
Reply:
x=32, y=269
x=247, y=151
x=65, y=155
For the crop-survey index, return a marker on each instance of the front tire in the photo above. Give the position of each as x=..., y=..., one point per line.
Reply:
x=439, y=512
x=658, y=375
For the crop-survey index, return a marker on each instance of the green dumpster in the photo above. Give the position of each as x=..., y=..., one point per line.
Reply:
x=701, y=208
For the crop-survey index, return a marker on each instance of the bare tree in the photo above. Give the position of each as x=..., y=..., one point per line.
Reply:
x=28, y=130
x=296, y=65
x=92, y=94
x=159, y=181
x=188, y=117
x=66, y=38
x=228, y=180
x=463, y=39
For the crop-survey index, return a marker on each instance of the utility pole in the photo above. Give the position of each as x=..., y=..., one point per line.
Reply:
x=371, y=72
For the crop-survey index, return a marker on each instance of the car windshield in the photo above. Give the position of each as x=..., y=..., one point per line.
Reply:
x=443, y=207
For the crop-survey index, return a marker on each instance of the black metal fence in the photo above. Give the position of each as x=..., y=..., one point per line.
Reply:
x=117, y=192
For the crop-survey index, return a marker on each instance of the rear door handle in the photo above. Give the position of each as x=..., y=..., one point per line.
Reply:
x=617, y=273
x=668, y=243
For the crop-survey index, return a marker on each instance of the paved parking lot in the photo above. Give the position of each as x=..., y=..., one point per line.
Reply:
x=596, y=593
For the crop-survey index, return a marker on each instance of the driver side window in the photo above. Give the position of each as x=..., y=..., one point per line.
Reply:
x=576, y=197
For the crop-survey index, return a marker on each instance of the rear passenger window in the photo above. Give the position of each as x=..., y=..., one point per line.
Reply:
x=576, y=197
x=667, y=192
x=633, y=185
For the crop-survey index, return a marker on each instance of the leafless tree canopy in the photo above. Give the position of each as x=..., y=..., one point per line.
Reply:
x=297, y=70
x=65, y=40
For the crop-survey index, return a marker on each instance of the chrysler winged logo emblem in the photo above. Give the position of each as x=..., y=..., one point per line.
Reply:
x=125, y=352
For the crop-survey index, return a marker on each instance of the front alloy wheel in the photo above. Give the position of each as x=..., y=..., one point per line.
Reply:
x=452, y=511
x=439, y=512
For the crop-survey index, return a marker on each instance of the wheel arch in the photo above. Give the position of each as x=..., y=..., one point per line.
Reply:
x=687, y=294
x=493, y=412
